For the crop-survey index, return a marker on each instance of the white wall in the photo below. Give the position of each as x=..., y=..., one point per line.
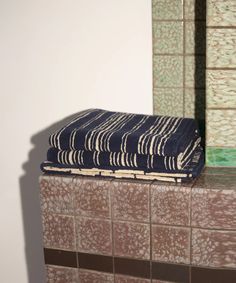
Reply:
x=56, y=58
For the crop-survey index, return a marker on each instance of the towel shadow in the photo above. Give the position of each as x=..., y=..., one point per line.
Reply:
x=30, y=201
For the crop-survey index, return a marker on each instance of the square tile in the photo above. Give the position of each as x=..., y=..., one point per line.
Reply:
x=195, y=38
x=221, y=128
x=221, y=13
x=92, y=197
x=61, y=274
x=167, y=9
x=128, y=279
x=58, y=231
x=214, y=248
x=131, y=240
x=221, y=85
x=195, y=10
x=170, y=205
x=221, y=51
x=167, y=37
x=168, y=71
x=94, y=235
x=56, y=194
x=195, y=71
x=168, y=101
x=88, y=276
x=213, y=208
x=170, y=244
x=130, y=201
x=194, y=103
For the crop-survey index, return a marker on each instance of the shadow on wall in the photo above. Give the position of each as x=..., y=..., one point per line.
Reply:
x=29, y=188
x=200, y=66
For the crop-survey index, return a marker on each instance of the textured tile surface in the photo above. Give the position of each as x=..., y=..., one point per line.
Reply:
x=219, y=182
x=194, y=103
x=128, y=279
x=131, y=240
x=58, y=274
x=170, y=205
x=220, y=171
x=212, y=208
x=88, y=276
x=195, y=9
x=168, y=71
x=195, y=71
x=130, y=201
x=221, y=13
x=221, y=51
x=92, y=197
x=56, y=194
x=220, y=156
x=193, y=43
x=167, y=10
x=94, y=235
x=58, y=231
x=221, y=127
x=214, y=248
x=221, y=88
x=170, y=244
x=167, y=37
x=168, y=101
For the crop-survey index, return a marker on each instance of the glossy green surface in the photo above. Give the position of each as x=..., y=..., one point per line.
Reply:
x=225, y=157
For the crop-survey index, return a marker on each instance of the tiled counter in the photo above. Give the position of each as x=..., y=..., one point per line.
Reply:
x=125, y=231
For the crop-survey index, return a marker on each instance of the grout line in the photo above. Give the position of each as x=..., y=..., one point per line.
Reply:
x=150, y=226
x=184, y=54
x=221, y=27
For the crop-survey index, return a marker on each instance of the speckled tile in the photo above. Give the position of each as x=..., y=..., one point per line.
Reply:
x=92, y=197
x=195, y=44
x=167, y=101
x=59, y=274
x=214, y=248
x=221, y=13
x=167, y=37
x=56, y=194
x=167, y=10
x=128, y=279
x=221, y=128
x=130, y=200
x=94, y=235
x=168, y=71
x=195, y=10
x=58, y=231
x=170, y=244
x=216, y=156
x=89, y=276
x=131, y=240
x=194, y=103
x=213, y=208
x=170, y=205
x=221, y=88
x=221, y=51
x=195, y=71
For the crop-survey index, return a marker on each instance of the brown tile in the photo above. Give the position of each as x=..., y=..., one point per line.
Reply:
x=214, y=208
x=170, y=244
x=132, y=240
x=94, y=235
x=60, y=257
x=170, y=205
x=92, y=197
x=58, y=231
x=220, y=182
x=56, y=274
x=130, y=201
x=219, y=171
x=88, y=276
x=56, y=194
x=160, y=281
x=214, y=248
x=96, y=262
x=128, y=279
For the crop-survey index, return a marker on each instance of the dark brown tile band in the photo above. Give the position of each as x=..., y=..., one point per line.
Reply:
x=59, y=257
x=96, y=262
x=132, y=267
x=171, y=272
x=207, y=275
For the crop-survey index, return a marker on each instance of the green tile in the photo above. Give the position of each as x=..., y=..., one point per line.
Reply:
x=193, y=43
x=221, y=127
x=221, y=89
x=221, y=13
x=194, y=103
x=195, y=9
x=168, y=101
x=167, y=71
x=221, y=48
x=167, y=9
x=225, y=157
x=195, y=71
x=168, y=37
